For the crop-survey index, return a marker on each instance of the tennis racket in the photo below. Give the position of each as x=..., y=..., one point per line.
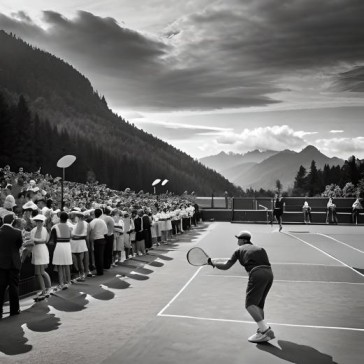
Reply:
x=197, y=257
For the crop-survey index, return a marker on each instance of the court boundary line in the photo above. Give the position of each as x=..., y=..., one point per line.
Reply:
x=280, y=280
x=322, y=251
x=271, y=323
x=179, y=292
x=298, y=263
x=341, y=242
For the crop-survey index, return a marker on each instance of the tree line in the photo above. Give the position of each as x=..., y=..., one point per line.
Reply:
x=334, y=181
x=29, y=141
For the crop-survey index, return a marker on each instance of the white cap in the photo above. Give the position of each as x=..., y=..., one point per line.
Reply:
x=244, y=234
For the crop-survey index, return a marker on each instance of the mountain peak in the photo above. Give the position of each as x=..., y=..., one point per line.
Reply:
x=310, y=148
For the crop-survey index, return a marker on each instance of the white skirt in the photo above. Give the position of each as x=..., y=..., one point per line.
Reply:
x=153, y=230
x=78, y=246
x=162, y=225
x=40, y=254
x=118, y=242
x=127, y=243
x=169, y=225
x=62, y=254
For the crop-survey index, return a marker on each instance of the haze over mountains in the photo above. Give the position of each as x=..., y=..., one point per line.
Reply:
x=261, y=169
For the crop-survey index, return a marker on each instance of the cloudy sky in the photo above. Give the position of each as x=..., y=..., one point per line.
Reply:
x=207, y=76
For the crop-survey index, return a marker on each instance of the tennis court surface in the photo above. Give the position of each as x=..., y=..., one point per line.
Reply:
x=186, y=314
x=315, y=305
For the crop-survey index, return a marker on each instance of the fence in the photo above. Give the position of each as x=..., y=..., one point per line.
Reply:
x=249, y=209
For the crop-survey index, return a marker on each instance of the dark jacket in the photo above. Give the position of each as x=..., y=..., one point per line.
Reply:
x=10, y=242
x=138, y=229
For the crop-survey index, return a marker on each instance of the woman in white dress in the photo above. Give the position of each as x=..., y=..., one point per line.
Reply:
x=118, y=237
x=78, y=243
x=129, y=234
x=40, y=256
x=62, y=256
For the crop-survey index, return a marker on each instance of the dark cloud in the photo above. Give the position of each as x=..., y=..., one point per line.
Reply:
x=230, y=54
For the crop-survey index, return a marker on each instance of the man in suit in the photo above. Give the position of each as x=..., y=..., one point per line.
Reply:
x=10, y=242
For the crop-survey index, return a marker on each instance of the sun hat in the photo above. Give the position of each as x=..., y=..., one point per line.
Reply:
x=9, y=202
x=30, y=205
x=77, y=211
x=39, y=217
x=244, y=234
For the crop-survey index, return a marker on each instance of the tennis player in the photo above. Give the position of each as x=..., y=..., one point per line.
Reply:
x=255, y=261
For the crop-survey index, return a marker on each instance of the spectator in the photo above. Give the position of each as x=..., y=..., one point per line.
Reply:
x=306, y=213
x=118, y=237
x=331, y=214
x=128, y=225
x=62, y=256
x=356, y=208
x=10, y=242
x=109, y=245
x=147, y=224
x=40, y=256
x=98, y=233
x=78, y=243
x=139, y=233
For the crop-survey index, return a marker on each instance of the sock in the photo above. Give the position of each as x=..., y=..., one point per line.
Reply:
x=262, y=326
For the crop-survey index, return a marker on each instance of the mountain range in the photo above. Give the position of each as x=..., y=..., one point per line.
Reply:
x=107, y=146
x=261, y=169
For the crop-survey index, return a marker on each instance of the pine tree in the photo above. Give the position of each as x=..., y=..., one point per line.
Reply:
x=300, y=182
x=313, y=181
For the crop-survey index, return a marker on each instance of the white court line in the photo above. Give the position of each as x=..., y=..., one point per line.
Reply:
x=322, y=251
x=278, y=280
x=181, y=290
x=271, y=323
x=297, y=263
x=341, y=242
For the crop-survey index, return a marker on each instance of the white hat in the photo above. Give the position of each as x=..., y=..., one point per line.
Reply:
x=77, y=211
x=39, y=217
x=30, y=205
x=244, y=234
x=9, y=202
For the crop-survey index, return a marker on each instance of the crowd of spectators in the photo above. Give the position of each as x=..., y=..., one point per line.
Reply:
x=94, y=228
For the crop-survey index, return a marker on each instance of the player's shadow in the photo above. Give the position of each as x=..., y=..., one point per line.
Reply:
x=296, y=353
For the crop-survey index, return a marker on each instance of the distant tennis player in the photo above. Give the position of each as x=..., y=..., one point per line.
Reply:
x=278, y=210
x=255, y=261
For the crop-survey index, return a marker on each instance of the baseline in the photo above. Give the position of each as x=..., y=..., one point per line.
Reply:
x=272, y=323
x=281, y=280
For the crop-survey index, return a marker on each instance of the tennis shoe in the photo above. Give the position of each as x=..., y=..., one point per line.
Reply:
x=260, y=337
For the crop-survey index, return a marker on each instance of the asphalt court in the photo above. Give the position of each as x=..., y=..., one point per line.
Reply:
x=317, y=295
x=166, y=311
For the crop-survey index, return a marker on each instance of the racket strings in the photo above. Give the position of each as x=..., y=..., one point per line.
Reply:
x=196, y=256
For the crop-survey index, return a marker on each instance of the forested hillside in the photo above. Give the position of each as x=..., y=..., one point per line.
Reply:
x=49, y=109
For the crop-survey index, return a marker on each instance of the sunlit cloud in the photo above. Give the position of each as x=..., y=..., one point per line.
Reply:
x=276, y=137
x=341, y=146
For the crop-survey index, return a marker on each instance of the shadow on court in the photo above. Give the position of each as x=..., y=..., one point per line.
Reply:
x=37, y=318
x=296, y=353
